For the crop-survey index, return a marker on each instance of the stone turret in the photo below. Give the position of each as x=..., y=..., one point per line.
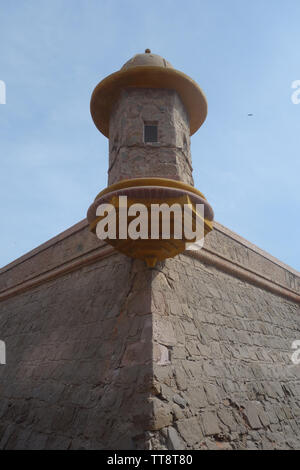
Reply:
x=149, y=136
x=148, y=95
x=148, y=110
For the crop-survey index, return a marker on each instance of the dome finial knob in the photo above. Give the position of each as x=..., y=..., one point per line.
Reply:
x=147, y=51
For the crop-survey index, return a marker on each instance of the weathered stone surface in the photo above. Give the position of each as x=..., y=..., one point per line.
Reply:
x=77, y=376
x=129, y=156
x=251, y=414
x=191, y=431
x=210, y=423
x=162, y=415
x=113, y=355
x=231, y=367
x=179, y=400
x=174, y=441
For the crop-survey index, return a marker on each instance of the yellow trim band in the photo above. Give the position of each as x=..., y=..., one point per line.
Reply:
x=165, y=182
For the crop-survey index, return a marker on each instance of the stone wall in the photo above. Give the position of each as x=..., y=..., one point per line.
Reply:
x=66, y=383
x=129, y=156
x=226, y=380
x=105, y=353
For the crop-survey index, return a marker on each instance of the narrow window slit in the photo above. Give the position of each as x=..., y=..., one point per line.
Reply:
x=150, y=132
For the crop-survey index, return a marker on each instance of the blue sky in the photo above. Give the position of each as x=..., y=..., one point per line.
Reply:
x=244, y=55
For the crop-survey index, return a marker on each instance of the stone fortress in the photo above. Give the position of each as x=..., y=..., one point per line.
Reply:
x=104, y=352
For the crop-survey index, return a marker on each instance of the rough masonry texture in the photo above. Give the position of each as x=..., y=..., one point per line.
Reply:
x=129, y=156
x=104, y=353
